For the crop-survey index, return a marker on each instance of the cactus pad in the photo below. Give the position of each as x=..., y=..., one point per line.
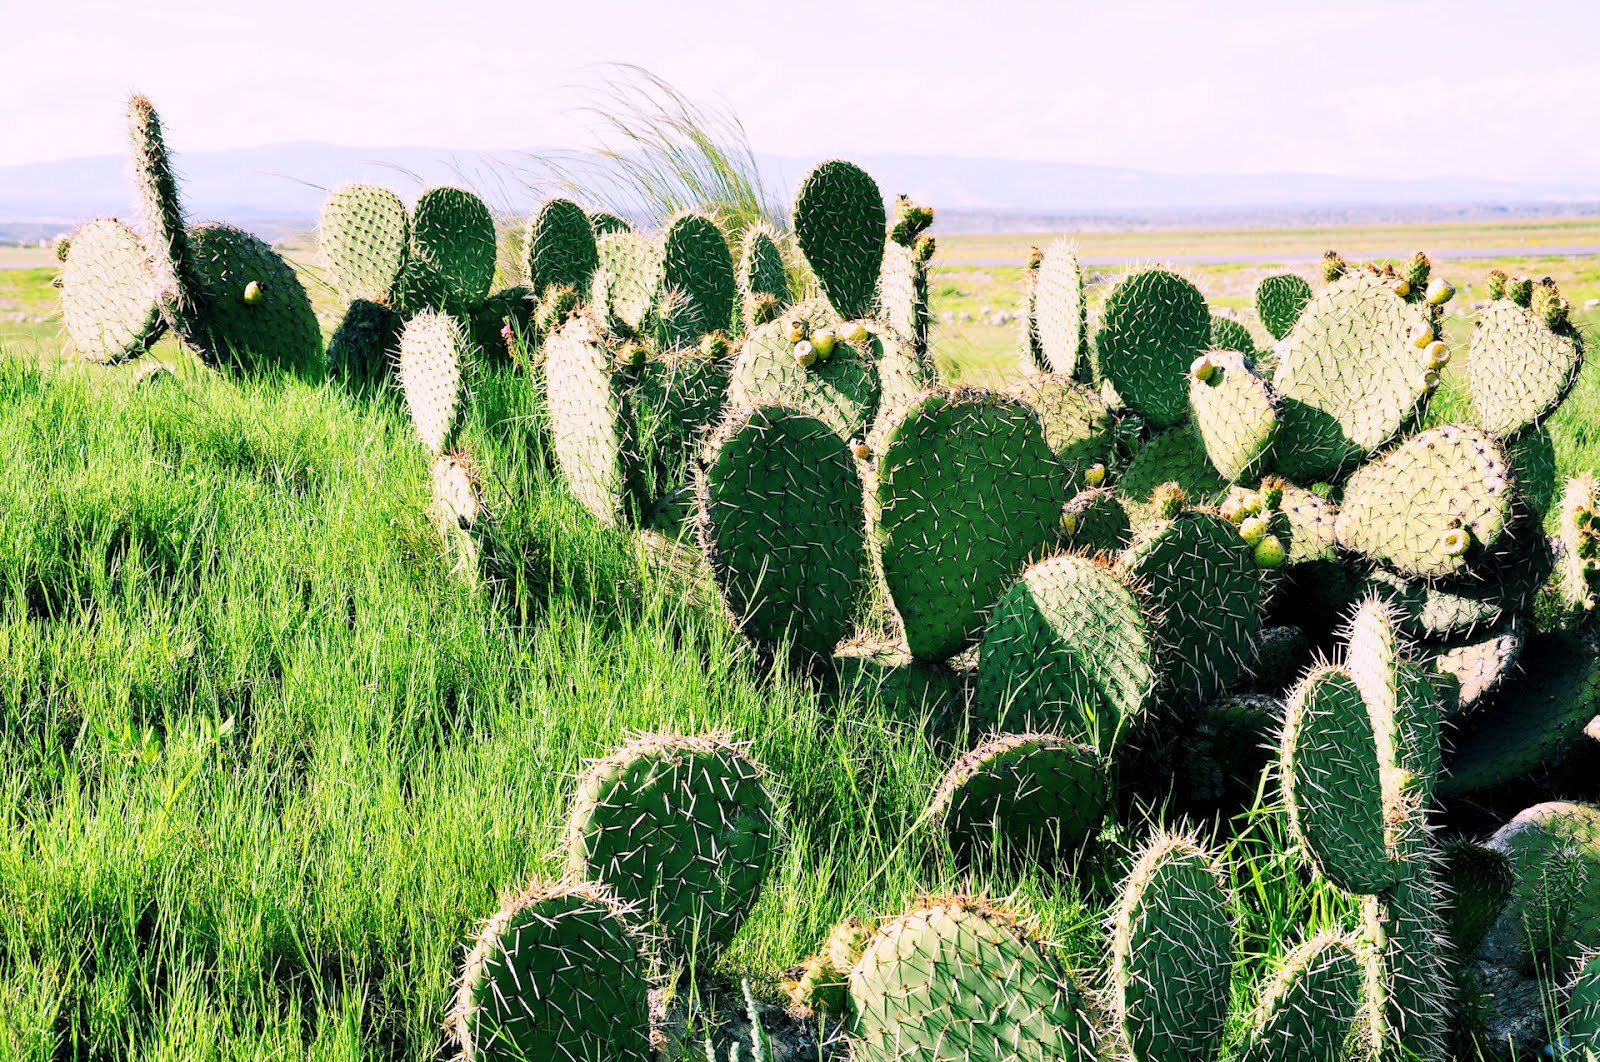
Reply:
x=697, y=265
x=433, y=355
x=603, y=221
x=364, y=231
x=363, y=349
x=1308, y=1009
x=684, y=828
x=1236, y=413
x=1477, y=882
x=1280, y=299
x=451, y=262
x=966, y=491
x=628, y=279
x=783, y=527
x=1058, y=308
x=1480, y=665
x=1501, y=586
x=1077, y=424
x=560, y=247
x=1152, y=327
x=1412, y=948
x=109, y=302
x=1094, y=521
x=1278, y=655
x=1228, y=334
x=1583, y=1005
x=839, y=223
x=166, y=238
x=1178, y=456
x=1554, y=908
x=589, y=419
x=1222, y=755
x=843, y=391
x=278, y=330
x=1519, y=367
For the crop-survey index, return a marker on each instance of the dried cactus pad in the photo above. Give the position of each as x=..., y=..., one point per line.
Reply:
x=967, y=490
x=957, y=980
x=1351, y=375
x=1519, y=368
x=628, y=280
x=1172, y=952
x=1077, y=424
x=1403, y=508
x=276, y=328
x=433, y=351
x=1040, y=796
x=839, y=223
x=363, y=232
x=1236, y=413
x=783, y=527
x=108, y=297
x=557, y=973
x=684, y=828
x=589, y=418
x=843, y=391
x=1059, y=309
x=1152, y=327
x=560, y=247
x=1280, y=299
x=453, y=247
x=1309, y=1008
x=1068, y=647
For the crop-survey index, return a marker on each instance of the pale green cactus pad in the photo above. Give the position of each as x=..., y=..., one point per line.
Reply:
x=844, y=391
x=1553, y=915
x=589, y=419
x=1479, y=664
x=840, y=226
x=431, y=372
x=1151, y=328
x=1519, y=368
x=109, y=302
x=1059, y=309
x=1077, y=424
x=1236, y=414
x=1309, y=1008
x=628, y=280
x=363, y=232
x=1280, y=299
x=1496, y=589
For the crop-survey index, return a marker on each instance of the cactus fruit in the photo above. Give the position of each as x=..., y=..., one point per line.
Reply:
x=844, y=391
x=1477, y=881
x=109, y=302
x=1554, y=910
x=1172, y=952
x=451, y=259
x=1037, y=796
x=1350, y=375
x=959, y=979
x=782, y=525
x=684, y=827
x=1400, y=509
x=560, y=248
x=1520, y=366
x=966, y=492
x=431, y=372
x=1152, y=326
x=1068, y=647
x=1228, y=334
x=839, y=223
x=278, y=330
x=558, y=972
x=1308, y=1010
x=590, y=415
x=1058, y=319
x=1077, y=424
x=364, y=347
x=364, y=232
x=1280, y=299
x=697, y=264
x=1094, y=521
x=628, y=281
x=1178, y=456
x=1236, y=414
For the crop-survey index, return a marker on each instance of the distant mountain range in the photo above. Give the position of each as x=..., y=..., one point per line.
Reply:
x=278, y=188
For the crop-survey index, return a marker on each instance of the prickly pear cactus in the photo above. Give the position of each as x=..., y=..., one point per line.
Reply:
x=1477, y=880
x=782, y=524
x=697, y=264
x=1308, y=1010
x=1236, y=414
x=109, y=302
x=1407, y=928
x=1578, y=566
x=628, y=281
x=762, y=275
x=1058, y=316
x=1228, y=334
x=603, y=221
x=1433, y=505
x=249, y=311
x=504, y=318
x=1151, y=328
x=957, y=980
x=451, y=260
x=1222, y=754
x=1278, y=656
x=1177, y=455
x=1280, y=299
x=166, y=239
x=1583, y=1006
x=1522, y=360
x=364, y=347
x=364, y=232
x=966, y=491
x=684, y=827
x=839, y=223
x=1172, y=952
x=844, y=390
x=560, y=247
x=1496, y=589
x=558, y=972
x=432, y=364
x=1035, y=796
x=1554, y=911
x=590, y=418
x=1479, y=665
x=1077, y=424
x=1094, y=521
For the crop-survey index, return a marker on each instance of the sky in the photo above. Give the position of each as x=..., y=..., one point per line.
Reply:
x=1403, y=89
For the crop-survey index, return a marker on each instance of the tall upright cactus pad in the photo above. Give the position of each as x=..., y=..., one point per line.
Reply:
x=763, y=277
x=1477, y=881
x=1068, y=647
x=1172, y=952
x=628, y=280
x=165, y=233
x=1554, y=911
x=683, y=827
x=1177, y=455
x=1205, y=594
x=1280, y=299
x=589, y=419
x=364, y=231
x=1412, y=1014
x=839, y=223
x=1094, y=521
x=1059, y=314
x=1236, y=414
x=109, y=302
x=675, y=400
x=364, y=347
x=697, y=264
x=1224, y=751
x=956, y=980
x=432, y=375
x=560, y=247
x=1228, y=334
x=451, y=261
x=844, y=391
x=557, y=973
x=1404, y=706
x=1152, y=327
x=248, y=308
x=966, y=491
x=1431, y=506
x=782, y=524
x=1034, y=796
x=903, y=291
x=1522, y=361
x=1578, y=566
x=1077, y=424
x=1352, y=374
x=1309, y=1009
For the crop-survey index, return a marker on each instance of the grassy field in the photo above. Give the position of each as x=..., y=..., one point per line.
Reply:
x=264, y=765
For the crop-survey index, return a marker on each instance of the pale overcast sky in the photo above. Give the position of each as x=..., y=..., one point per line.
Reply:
x=1427, y=87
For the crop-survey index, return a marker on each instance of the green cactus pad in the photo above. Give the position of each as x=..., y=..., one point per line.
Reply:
x=1310, y=1006
x=589, y=419
x=875, y=668
x=166, y=235
x=363, y=349
x=364, y=232
x=761, y=266
x=1477, y=882
x=903, y=294
x=1536, y=468
x=1077, y=424
x=957, y=981
x=1236, y=414
x=1094, y=521
x=1058, y=309
x=1554, y=908
x=1398, y=509
x=603, y=222
x=1518, y=367
x=277, y=331
x=1479, y=665
x=839, y=224
x=697, y=265
x=1403, y=703
x=783, y=527
x=966, y=492
x=1172, y=952
x=1351, y=375
x=675, y=401
x=509, y=307
x=1280, y=300
x=1152, y=327
x=1412, y=949
x=557, y=973
x=1205, y=592
x=560, y=247
x=1228, y=334
x=1068, y=647
x=1178, y=456
x=1328, y=760
x=1583, y=1005
x=109, y=302
x=431, y=372
x=1578, y=538
x=683, y=827
x=905, y=373
x=1222, y=755
x=1499, y=587
x=451, y=262
x=843, y=391
x=1041, y=796
x=628, y=280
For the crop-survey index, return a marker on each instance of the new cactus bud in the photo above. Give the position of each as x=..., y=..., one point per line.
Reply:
x=1269, y=552
x=1520, y=289
x=798, y=329
x=1417, y=269
x=910, y=221
x=805, y=353
x=1069, y=523
x=1440, y=291
x=1250, y=504
x=630, y=355
x=1253, y=529
x=715, y=345
x=1271, y=495
x=1094, y=475
x=1169, y=500
x=1496, y=284
x=1438, y=355
x=1035, y=258
x=1455, y=541
x=1333, y=266
x=1430, y=380
x=761, y=307
x=823, y=339
x=253, y=293
x=1421, y=334
x=1203, y=368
